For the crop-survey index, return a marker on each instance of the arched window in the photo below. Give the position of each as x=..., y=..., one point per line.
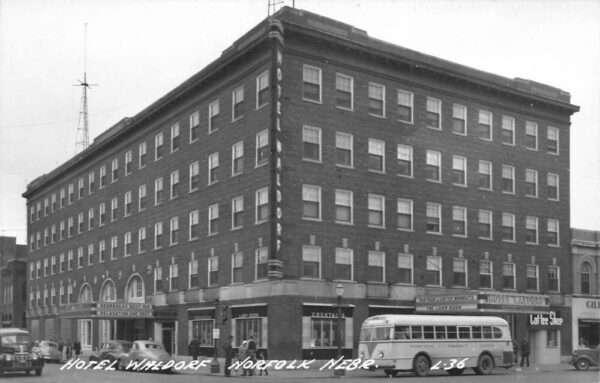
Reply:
x=135, y=289
x=85, y=295
x=586, y=270
x=109, y=292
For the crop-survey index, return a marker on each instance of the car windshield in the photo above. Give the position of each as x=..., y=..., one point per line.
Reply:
x=12, y=339
x=154, y=346
x=126, y=347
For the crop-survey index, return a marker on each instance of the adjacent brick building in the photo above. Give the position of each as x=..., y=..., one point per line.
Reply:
x=310, y=154
x=13, y=283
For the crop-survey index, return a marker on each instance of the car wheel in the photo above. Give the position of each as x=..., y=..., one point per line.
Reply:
x=485, y=365
x=421, y=365
x=582, y=364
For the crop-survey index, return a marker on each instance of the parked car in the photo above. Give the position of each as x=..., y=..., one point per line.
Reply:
x=48, y=349
x=583, y=358
x=145, y=349
x=16, y=352
x=111, y=351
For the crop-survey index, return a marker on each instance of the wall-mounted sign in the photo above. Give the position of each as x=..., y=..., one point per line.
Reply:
x=552, y=319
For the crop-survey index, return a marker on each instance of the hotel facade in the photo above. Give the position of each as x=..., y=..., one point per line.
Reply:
x=310, y=155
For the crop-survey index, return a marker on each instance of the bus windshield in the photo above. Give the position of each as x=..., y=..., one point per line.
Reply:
x=14, y=339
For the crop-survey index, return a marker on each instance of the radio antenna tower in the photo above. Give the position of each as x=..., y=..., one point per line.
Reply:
x=275, y=5
x=82, y=140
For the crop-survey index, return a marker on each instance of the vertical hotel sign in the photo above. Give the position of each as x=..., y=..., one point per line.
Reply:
x=276, y=77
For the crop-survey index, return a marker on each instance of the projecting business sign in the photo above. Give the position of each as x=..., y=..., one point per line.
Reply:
x=483, y=302
x=446, y=303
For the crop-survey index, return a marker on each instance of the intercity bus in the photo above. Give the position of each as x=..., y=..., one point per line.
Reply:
x=421, y=343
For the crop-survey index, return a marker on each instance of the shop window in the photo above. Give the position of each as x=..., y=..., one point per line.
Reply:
x=245, y=328
x=324, y=331
x=552, y=338
x=203, y=329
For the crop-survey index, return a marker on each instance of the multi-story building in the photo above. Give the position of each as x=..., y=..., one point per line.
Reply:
x=586, y=282
x=13, y=283
x=308, y=155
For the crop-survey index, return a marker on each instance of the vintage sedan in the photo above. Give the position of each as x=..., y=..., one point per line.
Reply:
x=583, y=358
x=143, y=351
x=16, y=352
x=111, y=351
x=48, y=349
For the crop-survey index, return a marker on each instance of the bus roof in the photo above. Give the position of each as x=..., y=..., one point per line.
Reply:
x=456, y=320
x=12, y=330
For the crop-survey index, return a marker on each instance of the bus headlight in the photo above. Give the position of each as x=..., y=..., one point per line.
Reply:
x=362, y=355
x=8, y=358
x=381, y=354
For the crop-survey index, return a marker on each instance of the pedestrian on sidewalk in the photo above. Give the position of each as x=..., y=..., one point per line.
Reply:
x=77, y=347
x=229, y=354
x=524, y=352
x=69, y=349
x=261, y=356
x=195, y=348
x=252, y=352
x=242, y=355
x=516, y=351
x=61, y=346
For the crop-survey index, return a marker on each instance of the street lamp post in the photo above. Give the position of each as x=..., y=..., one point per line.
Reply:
x=215, y=368
x=339, y=291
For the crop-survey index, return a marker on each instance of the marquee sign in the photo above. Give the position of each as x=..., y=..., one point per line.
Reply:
x=483, y=302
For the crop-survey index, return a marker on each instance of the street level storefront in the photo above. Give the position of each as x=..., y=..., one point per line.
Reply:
x=320, y=329
x=250, y=321
x=201, y=322
x=586, y=322
x=530, y=316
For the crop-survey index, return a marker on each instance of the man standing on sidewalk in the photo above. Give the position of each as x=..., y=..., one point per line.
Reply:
x=524, y=352
x=195, y=348
x=229, y=354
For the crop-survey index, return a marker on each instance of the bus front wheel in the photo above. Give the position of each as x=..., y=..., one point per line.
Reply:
x=421, y=365
x=485, y=365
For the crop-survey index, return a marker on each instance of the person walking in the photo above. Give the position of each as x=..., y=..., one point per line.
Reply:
x=252, y=352
x=195, y=348
x=242, y=355
x=77, y=347
x=261, y=356
x=61, y=346
x=229, y=354
x=516, y=351
x=524, y=352
x=69, y=349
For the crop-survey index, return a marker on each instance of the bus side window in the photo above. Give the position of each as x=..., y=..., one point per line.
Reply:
x=497, y=332
x=451, y=332
x=428, y=332
x=417, y=332
x=440, y=332
x=487, y=332
x=464, y=332
x=476, y=332
x=401, y=332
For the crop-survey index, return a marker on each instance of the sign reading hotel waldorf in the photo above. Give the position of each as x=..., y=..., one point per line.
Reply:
x=138, y=310
x=508, y=299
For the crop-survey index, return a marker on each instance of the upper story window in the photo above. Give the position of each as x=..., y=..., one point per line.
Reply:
x=159, y=192
x=508, y=227
x=376, y=266
x=311, y=78
x=376, y=99
x=531, y=182
x=508, y=130
x=262, y=205
x=552, y=186
x=237, y=158
x=553, y=230
x=174, y=184
x=552, y=140
x=459, y=119
x=434, y=218
x=344, y=86
x=311, y=261
x=485, y=224
x=376, y=155
x=237, y=212
x=311, y=201
x=434, y=270
x=237, y=103
x=194, y=225
x=553, y=278
x=344, y=149
x=213, y=219
x=405, y=214
x=175, y=138
x=311, y=139
x=128, y=162
x=486, y=274
x=213, y=166
x=376, y=205
x=405, y=160
x=53, y=200
x=485, y=125
x=142, y=154
x=485, y=175
x=532, y=277
x=194, y=126
x=405, y=106
x=343, y=264
x=531, y=226
x=434, y=113
x=343, y=206
x=433, y=166
x=262, y=89
x=80, y=189
x=508, y=179
x=213, y=113
x=115, y=170
x=194, y=176
x=71, y=198
x=459, y=221
x=262, y=147
x=459, y=170
x=531, y=135
x=158, y=146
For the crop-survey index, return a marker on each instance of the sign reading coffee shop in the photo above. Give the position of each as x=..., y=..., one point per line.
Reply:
x=552, y=319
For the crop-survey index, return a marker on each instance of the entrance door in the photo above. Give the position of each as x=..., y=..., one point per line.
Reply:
x=167, y=336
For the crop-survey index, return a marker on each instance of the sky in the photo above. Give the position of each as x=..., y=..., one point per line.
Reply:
x=138, y=50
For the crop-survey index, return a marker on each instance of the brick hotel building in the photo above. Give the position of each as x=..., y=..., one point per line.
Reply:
x=310, y=154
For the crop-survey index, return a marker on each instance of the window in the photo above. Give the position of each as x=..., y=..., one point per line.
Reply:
x=262, y=89
x=553, y=230
x=237, y=270
x=174, y=230
x=311, y=262
x=532, y=277
x=114, y=247
x=53, y=198
x=175, y=137
x=376, y=99
x=158, y=281
x=194, y=281
x=39, y=205
x=91, y=183
x=115, y=170
x=344, y=86
x=552, y=186
x=552, y=137
x=79, y=196
x=79, y=228
x=343, y=264
x=194, y=126
x=434, y=113
x=553, y=278
x=142, y=155
x=142, y=197
x=459, y=170
x=158, y=235
x=61, y=264
x=376, y=267
x=213, y=219
x=376, y=155
x=262, y=265
x=485, y=175
x=485, y=224
x=90, y=255
x=311, y=202
x=486, y=274
x=508, y=227
x=159, y=191
x=142, y=240
x=508, y=179
x=552, y=339
x=311, y=143
x=531, y=135
x=404, y=274
x=237, y=212
x=531, y=225
x=343, y=206
x=531, y=180
x=262, y=205
x=485, y=125
x=70, y=230
x=53, y=229
x=434, y=218
x=586, y=271
x=311, y=78
x=405, y=214
x=433, y=166
x=459, y=272
x=173, y=277
x=213, y=166
x=127, y=244
x=508, y=130
x=434, y=270
x=405, y=106
x=174, y=184
x=62, y=232
x=459, y=119
x=376, y=210
x=71, y=198
x=47, y=234
x=262, y=148
x=128, y=162
x=405, y=160
x=194, y=231
x=344, y=149
x=63, y=195
x=114, y=209
x=237, y=158
x=213, y=113
x=194, y=176
x=237, y=103
x=459, y=221
x=158, y=146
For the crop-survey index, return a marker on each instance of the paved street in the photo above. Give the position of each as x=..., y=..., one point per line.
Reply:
x=562, y=373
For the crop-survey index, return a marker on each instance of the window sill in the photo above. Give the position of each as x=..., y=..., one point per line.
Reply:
x=433, y=181
x=193, y=239
x=212, y=234
x=508, y=192
x=344, y=223
x=508, y=144
x=405, y=230
x=319, y=102
x=194, y=140
x=312, y=219
x=460, y=134
x=405, y=175
x=261, y=165
x=212, y=183
x=486, y=238
x=259, y=107
x=376, y=227
x=264, y=221
x=344, y=166
x=531, y=196
x=460, y=185
x=172, y=151
x=310, y=279
x=553, y=199
x=405, y=122
x=509, y=241
x=376, y=171
x=211, y=131
x=433, y=232
x=237, y=174
x=381, y=117
x=460, y=235
x=236, y=119
x=554, y=246
x=236, y=228
x=531, y=149
x=485, y=189
x=434, y=128
x=344, y=108
x=194, y=190
x=312, y=160
x=532, y=243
